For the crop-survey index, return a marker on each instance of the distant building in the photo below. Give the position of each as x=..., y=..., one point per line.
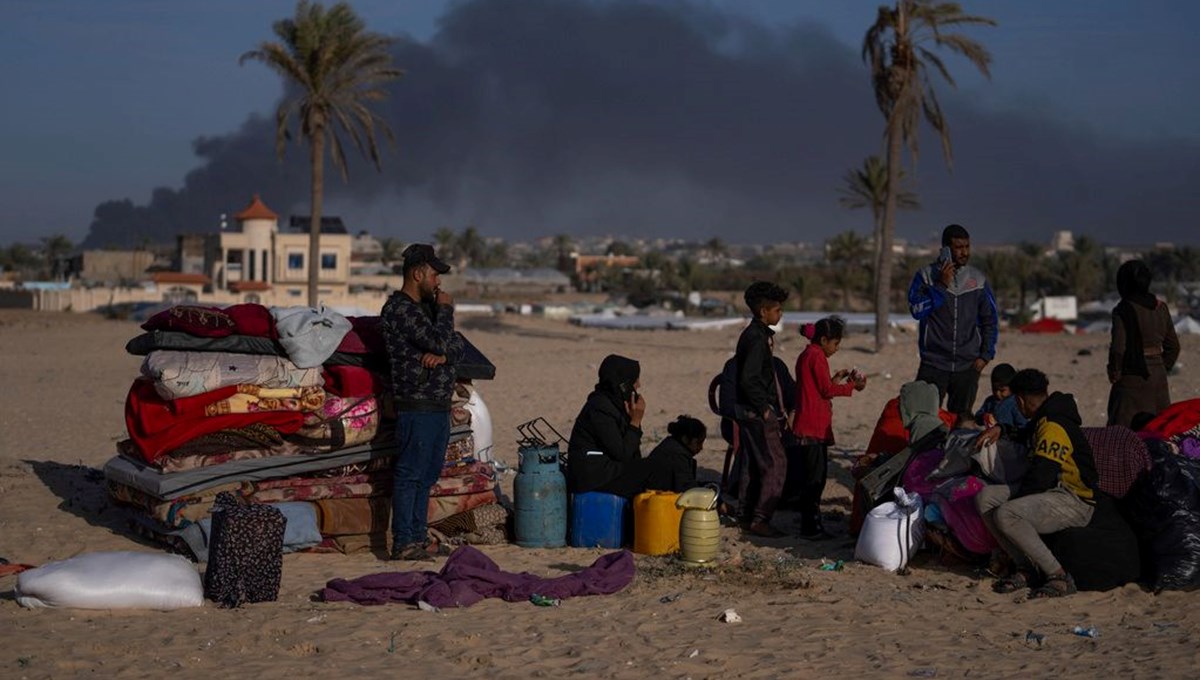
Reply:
x=365, y=248
x=516, y=281
x=255, y=255
x=1062, y=242
x=590, y=268
x=191, y=253
x=109, y=267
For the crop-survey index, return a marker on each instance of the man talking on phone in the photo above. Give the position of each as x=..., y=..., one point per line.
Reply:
x=418, y=325
x=959, y=322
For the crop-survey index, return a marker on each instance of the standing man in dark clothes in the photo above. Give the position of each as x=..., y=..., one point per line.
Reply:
x=1059, y=491
x=959, y=323
x=418, y=325
x=757, y=412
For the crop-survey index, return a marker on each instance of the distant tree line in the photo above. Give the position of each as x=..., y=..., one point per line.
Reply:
x=46, y=261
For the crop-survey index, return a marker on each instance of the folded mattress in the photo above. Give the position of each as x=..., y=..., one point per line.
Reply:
x=167, y=486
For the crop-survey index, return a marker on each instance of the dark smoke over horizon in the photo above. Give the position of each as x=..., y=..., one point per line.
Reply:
x=532, y=117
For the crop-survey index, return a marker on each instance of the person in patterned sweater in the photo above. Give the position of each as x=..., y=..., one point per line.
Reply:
x=423, y=348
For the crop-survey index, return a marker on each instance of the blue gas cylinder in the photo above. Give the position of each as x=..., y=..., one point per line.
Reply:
x=540, y=497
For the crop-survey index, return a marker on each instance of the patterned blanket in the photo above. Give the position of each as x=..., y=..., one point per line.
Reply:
x=187, y=374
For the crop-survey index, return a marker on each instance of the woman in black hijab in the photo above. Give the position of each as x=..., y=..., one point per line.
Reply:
x=1143, y=350
x=604, y=453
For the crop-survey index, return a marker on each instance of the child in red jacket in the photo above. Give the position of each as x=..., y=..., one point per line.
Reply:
x=813, y=426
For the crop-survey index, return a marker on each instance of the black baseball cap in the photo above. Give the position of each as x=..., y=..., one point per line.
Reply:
x=422, y=253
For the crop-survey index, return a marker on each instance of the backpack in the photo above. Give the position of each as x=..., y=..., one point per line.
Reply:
x=722, y=397
x=722, y=391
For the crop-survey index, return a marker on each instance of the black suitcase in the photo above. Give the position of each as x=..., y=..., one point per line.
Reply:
x=245, y=553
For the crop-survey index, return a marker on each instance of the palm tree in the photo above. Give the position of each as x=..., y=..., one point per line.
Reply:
x=1030, y=270
x=471, y=246
x=391, y=250
x=446, y=241
x=898, y=49
x=800, y=283
x=846, y=253
x=866, y=187
x=55, y=249
x=564, y=245
x=337, y=69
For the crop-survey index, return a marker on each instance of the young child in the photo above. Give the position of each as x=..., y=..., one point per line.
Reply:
x=815, y=390
x=758, y=416
x=675, y=456
x=1001, y=407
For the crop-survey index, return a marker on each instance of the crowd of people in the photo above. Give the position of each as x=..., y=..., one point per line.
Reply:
x=785, y=424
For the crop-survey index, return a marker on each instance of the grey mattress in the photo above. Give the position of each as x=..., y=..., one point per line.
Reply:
x=139, y=475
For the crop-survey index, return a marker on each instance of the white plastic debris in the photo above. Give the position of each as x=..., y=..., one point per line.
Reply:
x=730, y=616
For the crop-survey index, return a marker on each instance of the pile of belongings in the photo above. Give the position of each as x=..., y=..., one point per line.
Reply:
x=1164, y=503
x=947, y=470
x=289, y=406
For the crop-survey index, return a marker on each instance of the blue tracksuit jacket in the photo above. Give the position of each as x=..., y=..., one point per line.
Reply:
x=958, y=324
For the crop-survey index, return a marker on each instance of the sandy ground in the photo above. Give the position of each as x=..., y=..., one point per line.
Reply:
x=65, y=379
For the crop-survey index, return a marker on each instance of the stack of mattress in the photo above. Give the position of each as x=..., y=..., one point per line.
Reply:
x=288, y=406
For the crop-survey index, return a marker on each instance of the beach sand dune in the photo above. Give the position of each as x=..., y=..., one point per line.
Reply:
x=61, y=412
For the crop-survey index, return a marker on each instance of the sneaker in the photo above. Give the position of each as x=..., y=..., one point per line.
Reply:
x=437, y=549
x=412, y=552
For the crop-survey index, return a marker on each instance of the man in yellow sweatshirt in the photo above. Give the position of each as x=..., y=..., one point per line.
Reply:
x=1059, y=490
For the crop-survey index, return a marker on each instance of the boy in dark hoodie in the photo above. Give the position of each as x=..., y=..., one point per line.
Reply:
x=757, y=411
x=1058, y=492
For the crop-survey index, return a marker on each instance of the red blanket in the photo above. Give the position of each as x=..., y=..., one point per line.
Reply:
x=1175, y=420
x=157, y=427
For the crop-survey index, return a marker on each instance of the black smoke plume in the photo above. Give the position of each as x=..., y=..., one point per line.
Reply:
x=533, y=117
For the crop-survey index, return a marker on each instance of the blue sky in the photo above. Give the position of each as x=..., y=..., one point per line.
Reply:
x=103, y=99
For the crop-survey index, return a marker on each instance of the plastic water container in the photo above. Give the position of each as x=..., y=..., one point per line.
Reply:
x=540, y=499
x=598, y=520
x=656, y=523
x=700, y=527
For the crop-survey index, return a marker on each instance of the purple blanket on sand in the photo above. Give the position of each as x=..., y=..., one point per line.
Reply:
x=470, y=576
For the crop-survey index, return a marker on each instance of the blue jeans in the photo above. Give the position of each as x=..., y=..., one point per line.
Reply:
x=422, y=437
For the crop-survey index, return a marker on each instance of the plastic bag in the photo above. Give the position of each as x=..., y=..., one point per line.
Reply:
x=892, y=532
x=1164, y=506
x=112, y=580
x=481, y=426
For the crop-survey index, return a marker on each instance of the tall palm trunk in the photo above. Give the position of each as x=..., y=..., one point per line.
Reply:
x=317, y=158
x=876, y=243
x=883, y=263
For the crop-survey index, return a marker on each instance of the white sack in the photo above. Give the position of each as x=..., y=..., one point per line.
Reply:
x=113, y=580
x=892, y=532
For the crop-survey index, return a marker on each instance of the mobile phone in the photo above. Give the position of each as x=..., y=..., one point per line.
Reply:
x=945, y=256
